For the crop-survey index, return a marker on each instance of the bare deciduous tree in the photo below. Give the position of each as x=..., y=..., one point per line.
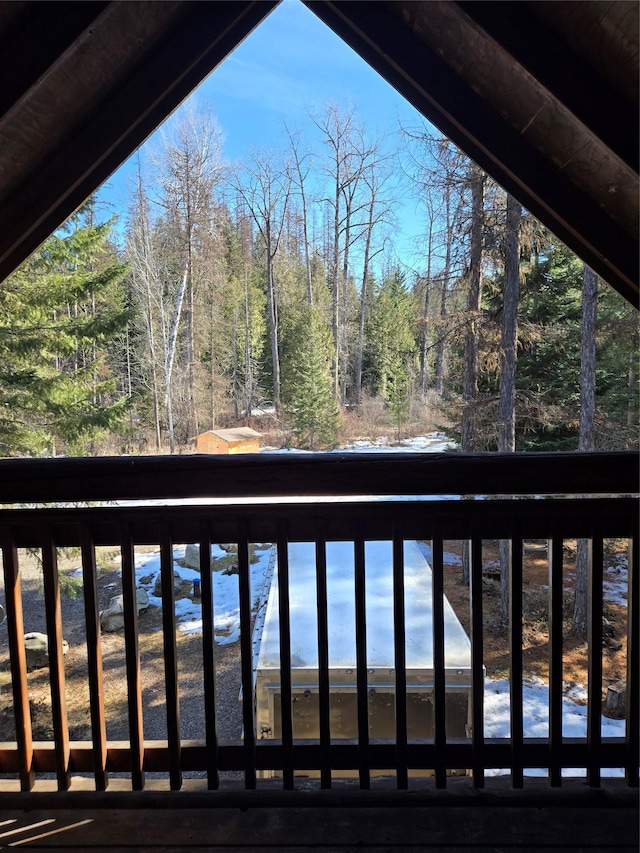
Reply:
x=508, y=359
x=351, y=155
x=587, y=433
x=265, y=186
x=470, y=377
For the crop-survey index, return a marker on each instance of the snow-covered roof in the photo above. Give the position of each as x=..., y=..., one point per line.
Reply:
x=234, y=434
x=341, y=611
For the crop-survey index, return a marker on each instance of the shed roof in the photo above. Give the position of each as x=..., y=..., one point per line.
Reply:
x=543, y=95
x=234, y=434
x=341, y=610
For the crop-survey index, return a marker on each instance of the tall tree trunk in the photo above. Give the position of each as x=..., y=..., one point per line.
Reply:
x=154, y=362
x=248, y=358
x=440, y=351
x=191, y=378
x=234, y=367
x=446, y=273
x=212, y=372
x=273, y=325
x=335, y=305
x=632, y=382
x=363, y=301
x=470, y=376
x=344, y=319
x=587, y=433
x=508, y=358
x=305, y=211
x=424, y=337
x=424, y=328
x=170, y=356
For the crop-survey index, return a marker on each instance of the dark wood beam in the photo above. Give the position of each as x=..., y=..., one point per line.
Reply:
x=271, y=475
x=563, y=74
x=201, y=36
x=378, y=34
x=34, y=44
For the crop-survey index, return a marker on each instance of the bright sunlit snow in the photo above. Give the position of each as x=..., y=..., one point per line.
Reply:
x=432, y=442
x=225, y=592
x=615, y=583
x=535, y=702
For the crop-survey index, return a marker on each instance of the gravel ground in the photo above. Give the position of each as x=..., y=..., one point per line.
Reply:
x=189, y=648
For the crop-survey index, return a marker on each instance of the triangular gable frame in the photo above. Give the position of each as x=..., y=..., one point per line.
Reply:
x=59, y=140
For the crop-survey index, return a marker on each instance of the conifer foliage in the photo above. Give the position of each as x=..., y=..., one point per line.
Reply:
x=273, y=285
x=311, y=404
x=62, y=312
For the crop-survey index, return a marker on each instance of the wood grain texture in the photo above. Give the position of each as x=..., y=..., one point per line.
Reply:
x=460, y=827
x=317, y=474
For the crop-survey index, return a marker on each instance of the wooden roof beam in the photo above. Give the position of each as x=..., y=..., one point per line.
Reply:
x=569, y=79
x=31, y=46
x=193, y=39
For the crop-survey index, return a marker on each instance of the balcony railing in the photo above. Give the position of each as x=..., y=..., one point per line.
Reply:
x=318, y=499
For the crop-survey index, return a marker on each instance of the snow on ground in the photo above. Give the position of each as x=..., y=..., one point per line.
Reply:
x=535, y=701
x=616, y=580
x=432, y=442
x=449, y=559
x=225, y=592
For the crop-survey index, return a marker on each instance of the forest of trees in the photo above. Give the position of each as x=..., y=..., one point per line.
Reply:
x=227, y=288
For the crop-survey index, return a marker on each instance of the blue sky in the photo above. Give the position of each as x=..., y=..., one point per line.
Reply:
x=290, y=66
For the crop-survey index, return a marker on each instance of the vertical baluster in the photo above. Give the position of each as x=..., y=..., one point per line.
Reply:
x=53, y=612
x=248, y=716
x=15, y=631
x=132, y=659
x=633, y=661
x=172, y=701
x=323, y=657
x=399, y=641
x=94, y=659
x=554, y=549
x=364, y=770
x=477, y=666
x=285, y=656
x=594, y=644
x=515, y=659
x=439, y=684
x=208, y=657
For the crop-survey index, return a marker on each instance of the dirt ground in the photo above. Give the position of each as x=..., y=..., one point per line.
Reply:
x=535, y=649
x=189, y=654
x=535, y=617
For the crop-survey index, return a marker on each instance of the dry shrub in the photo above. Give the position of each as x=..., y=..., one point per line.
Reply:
x=370, y=420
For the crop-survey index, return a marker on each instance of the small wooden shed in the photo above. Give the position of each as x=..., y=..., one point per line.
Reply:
x=236, y=440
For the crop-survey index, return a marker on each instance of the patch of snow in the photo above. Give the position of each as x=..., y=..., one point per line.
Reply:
x=449, y=559
x=434, y=442
x=615, y=584
x=261, y=411
x=535, y=703
x=226, y=599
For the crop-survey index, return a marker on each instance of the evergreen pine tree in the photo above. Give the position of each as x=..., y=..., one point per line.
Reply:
x=310, y=402
x=391, y=345
x=60, y=313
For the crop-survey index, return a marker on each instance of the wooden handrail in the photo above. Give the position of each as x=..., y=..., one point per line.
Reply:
x=284, y=521
x=453, y=519
x=321, y=474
